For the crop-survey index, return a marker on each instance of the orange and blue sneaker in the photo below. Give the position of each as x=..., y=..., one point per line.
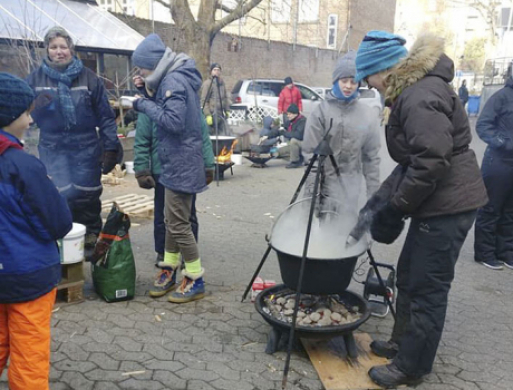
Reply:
x=192, y=288
x=165, y=281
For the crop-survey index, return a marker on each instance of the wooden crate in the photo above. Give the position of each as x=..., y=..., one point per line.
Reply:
x=71, y=292
x=131, y=204
x=72, y=272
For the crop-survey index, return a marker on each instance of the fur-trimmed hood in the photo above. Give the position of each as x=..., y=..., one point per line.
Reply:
x=426, y=57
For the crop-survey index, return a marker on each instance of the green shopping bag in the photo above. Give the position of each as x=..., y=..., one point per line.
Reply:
x=112, y=263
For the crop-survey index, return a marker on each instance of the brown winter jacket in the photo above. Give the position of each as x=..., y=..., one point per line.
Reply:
x=428, y=134
x=210, y=100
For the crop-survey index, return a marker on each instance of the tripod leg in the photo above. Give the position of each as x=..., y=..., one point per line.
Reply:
x=334, y=163
x=304, y=178
x=268, y=250
x=301, y=274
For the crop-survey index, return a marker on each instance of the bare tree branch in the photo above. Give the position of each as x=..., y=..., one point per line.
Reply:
x=238, y=12
x=181, y=12
x=207, y=11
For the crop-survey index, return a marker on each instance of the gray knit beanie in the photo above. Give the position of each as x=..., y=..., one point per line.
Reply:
x=58, y=31
x=346, y=66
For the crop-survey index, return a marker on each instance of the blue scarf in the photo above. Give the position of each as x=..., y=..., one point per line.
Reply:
x=64, y=79
x=340, y=95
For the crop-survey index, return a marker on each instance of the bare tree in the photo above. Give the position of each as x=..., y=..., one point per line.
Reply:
x=474, y=55
x=21, y=52
x=201, y=32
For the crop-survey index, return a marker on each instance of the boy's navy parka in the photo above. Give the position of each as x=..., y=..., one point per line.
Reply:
x=33, y=215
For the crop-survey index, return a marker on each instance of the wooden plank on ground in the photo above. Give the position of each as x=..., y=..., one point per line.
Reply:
x=121, y=198
x=132, y=204
x=336, y=372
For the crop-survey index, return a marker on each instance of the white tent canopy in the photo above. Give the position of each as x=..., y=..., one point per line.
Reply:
x=89, y=26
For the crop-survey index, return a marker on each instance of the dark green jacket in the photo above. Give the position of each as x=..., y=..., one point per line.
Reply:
x=145, y=148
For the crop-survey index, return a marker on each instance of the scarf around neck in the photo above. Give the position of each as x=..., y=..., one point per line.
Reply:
x=64, y=78
x=168, y=63
x=340, y=95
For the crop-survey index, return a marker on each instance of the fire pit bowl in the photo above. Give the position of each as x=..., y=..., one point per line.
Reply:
x=260, y=149
x=329, y=264
x=319, y=332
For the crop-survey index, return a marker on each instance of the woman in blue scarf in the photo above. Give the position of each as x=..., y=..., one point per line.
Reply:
x=71, y=104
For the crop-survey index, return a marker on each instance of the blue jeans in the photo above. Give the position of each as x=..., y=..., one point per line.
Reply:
x=159, y=226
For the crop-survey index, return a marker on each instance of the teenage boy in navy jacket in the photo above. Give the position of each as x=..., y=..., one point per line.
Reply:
x=33, y=215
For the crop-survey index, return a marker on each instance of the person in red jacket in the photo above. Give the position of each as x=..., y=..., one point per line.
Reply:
x=290, y=94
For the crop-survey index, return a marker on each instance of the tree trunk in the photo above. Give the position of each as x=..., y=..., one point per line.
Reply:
x=199, y=49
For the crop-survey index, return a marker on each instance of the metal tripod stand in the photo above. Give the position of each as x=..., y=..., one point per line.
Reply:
x=321, y=153
x=216, y=118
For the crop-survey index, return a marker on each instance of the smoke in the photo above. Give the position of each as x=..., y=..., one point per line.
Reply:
x=335, y=216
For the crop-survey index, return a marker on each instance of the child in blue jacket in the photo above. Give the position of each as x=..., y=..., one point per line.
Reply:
x=33, y=215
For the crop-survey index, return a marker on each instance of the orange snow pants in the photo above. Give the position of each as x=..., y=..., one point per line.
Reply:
x=25, y=341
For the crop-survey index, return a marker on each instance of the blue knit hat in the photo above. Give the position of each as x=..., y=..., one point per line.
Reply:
x=16, y=96
x=378, y=51
x=149, y=52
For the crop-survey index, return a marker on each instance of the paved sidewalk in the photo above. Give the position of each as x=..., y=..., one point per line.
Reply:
x=218, y=343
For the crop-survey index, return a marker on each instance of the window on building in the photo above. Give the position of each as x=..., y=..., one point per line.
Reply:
x=308, y=10
x=106, y=5
x=331, y=41
x=280, y=11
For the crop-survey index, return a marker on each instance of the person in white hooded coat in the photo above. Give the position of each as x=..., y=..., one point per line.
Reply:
x=354, y=138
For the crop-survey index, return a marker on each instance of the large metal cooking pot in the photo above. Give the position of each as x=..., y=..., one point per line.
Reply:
x=221, y=141
x=329, y=264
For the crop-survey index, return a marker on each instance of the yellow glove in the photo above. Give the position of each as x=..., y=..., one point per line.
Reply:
x=210, y=120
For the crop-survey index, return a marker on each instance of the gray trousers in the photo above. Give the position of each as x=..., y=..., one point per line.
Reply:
x=179, y=236
x=295, y=149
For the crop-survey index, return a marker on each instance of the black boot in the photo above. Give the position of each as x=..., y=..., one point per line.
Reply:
x=390, y=377
x=386, y=349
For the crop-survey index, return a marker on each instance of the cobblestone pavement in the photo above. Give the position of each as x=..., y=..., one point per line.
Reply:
x=218, y=342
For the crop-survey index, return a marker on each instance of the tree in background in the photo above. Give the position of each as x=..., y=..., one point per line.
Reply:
x=489, y=10
x=474, y=55
x=201, y=31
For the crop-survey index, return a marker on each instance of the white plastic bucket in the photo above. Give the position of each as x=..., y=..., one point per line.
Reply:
x=129, y=165
x=237, y=159
x=72, y=245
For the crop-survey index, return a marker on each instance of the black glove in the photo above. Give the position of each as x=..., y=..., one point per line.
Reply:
x=365, y=217
x=387, y=224
x=110, y=159
x=209, y=174
x=145, y=179
x=283, y=132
